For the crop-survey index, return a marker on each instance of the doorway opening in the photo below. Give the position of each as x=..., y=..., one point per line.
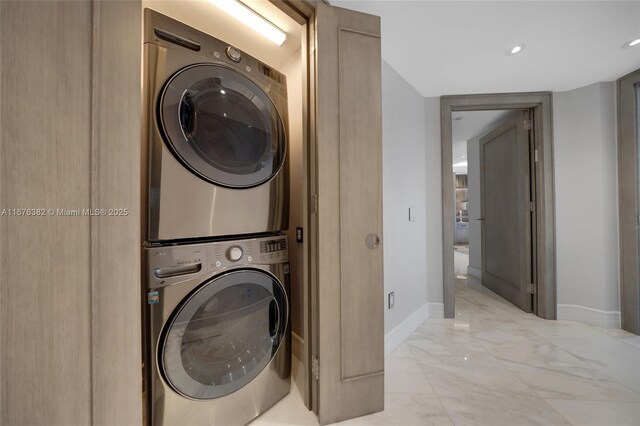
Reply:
x=494, y=179
x=506, y=239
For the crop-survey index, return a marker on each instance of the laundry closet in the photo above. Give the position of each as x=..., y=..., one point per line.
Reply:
x=222, y=143
x=72, y=300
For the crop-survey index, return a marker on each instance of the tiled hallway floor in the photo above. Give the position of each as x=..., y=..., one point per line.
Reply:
x=496, y=365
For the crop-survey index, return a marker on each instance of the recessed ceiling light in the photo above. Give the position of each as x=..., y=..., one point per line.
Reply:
x=631, y=43
x=515, y=50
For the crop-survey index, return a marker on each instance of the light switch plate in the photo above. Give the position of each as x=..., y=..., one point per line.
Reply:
x=412, y=214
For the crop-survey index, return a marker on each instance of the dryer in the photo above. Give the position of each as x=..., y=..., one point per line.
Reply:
x=218, y=332
x=215, y=137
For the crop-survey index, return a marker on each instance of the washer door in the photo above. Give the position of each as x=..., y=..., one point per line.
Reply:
x=224, y=334
x=222, y=126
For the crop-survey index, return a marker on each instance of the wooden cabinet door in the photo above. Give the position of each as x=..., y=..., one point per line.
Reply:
x=348, y=289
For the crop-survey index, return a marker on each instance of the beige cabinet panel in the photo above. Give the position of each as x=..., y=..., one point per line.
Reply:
x=115, y=250
x=70, y=284
x=45, y=324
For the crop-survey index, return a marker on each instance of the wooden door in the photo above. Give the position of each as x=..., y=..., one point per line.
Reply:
x=347, y=292
x=506, y=210
x=629, y=194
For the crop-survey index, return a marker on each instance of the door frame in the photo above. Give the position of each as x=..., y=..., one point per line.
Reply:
x=545, y=245
x=628, y=202
x=303, y=12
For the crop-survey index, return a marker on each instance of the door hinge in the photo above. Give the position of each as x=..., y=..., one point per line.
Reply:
x=314, y=204
x=315, y=367
x=527, y=124
x=532, y=206
x=535, y=155
x=531, y=288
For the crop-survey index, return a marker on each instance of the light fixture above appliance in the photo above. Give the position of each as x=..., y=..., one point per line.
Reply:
x=631, y=43
x=515, y=50
x=252, y=19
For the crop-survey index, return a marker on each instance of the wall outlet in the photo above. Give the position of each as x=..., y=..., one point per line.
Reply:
x=391, y=300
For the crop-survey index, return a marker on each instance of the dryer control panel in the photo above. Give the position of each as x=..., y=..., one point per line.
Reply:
x=171, y=264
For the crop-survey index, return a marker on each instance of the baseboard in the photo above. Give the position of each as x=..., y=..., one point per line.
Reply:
x=606, y=319
x=297, y=345
x=402, y=331
x=474, y=272
x=436, y=310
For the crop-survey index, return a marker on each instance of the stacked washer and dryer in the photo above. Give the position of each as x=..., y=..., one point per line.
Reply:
x=216, y=272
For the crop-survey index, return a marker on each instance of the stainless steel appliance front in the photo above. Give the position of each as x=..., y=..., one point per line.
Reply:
x=218, y=338
x=215, y=139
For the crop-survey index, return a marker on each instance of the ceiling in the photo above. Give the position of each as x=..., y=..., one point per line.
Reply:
x=459, y=47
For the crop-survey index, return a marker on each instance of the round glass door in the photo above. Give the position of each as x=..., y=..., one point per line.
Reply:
x=222, y=126
x=224, y=334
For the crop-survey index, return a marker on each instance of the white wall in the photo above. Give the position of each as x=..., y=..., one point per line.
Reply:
x=405, y=271
x=475, y=226
x=586, y=197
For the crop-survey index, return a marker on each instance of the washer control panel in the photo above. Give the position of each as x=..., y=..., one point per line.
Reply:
x=172, y=264
x=273, y=250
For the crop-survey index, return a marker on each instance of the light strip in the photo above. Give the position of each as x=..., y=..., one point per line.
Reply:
x=460, y=164
x=252, y=20
x=631, y=43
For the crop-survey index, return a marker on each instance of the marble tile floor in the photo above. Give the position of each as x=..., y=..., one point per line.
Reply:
x=496, y=365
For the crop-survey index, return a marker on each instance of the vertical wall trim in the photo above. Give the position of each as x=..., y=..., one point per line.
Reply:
x=92, y=184
x=1, y=221
x=448, y=205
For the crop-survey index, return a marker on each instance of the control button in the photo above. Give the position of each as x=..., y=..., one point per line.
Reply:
x=234, y=253
x=250, y=259
x=248, y=68
x=218, y=264
x=234, y=54
x=216, y=54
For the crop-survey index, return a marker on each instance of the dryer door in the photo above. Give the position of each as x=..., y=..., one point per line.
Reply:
x=222, y=126
x=223, y=334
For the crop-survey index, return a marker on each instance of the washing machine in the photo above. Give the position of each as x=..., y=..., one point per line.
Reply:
x=215, y=137
x=218, y=332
